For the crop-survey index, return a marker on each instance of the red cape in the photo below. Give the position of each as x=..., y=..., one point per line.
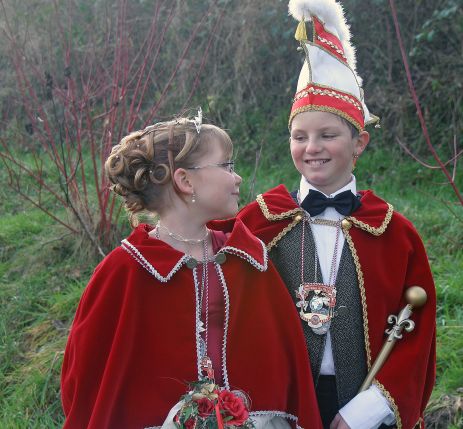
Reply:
x=389, y=257
x=132, y=347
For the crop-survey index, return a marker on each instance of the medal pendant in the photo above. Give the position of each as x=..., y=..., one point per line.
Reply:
x=320, y=300
x=206, y=367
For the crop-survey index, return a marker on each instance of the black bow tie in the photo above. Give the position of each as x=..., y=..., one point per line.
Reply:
x=344, y=203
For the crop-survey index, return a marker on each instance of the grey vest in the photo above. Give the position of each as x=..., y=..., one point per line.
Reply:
x=347, y=326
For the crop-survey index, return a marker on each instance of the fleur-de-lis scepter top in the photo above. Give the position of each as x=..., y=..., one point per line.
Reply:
x=415, y=297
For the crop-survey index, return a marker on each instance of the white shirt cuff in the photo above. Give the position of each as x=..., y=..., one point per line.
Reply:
x=368, y=410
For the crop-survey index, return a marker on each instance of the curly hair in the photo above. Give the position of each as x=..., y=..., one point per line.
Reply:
x=141, y=166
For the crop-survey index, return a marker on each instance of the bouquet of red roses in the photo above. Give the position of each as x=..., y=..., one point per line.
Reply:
x=208, y=406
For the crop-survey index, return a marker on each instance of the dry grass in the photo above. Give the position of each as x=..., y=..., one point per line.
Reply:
x=445, y=412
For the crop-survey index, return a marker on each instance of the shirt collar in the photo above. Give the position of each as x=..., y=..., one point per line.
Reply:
x=373, y=216
x=329, y=212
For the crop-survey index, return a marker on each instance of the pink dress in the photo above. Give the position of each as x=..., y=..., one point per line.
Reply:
x=216, y=312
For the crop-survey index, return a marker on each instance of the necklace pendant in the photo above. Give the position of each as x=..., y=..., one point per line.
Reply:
x=206, y=367
x=320, y=300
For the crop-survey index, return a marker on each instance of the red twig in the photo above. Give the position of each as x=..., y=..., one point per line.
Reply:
x=153, y=62
x=424, y=129
x=433, y=167
x=174, y=72
x=148, y=45
x=88, y=105
x=203, y=60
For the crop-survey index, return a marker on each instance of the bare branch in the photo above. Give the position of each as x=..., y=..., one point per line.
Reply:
x=424, y=129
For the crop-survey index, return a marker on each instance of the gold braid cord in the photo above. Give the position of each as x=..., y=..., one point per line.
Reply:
x=297, y=213
x=371, y=229
x=282, y=233
x=362, y=294
x=387, y=395
x=374, y=231
x=272, y=217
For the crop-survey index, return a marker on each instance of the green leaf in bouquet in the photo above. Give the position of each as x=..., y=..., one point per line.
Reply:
x=190, y=411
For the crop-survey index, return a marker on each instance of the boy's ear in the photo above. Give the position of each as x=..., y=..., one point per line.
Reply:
x=362, y=141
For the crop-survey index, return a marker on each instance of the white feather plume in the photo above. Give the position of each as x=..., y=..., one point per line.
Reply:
x=331, y=14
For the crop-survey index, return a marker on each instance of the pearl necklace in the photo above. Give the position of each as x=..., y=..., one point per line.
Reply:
x=203, y=293
x=180, y=238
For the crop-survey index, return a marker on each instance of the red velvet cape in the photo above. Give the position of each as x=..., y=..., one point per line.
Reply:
x=132, y=347
x=391, y=258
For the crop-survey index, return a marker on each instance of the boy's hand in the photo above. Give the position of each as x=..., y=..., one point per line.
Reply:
x=339, y=423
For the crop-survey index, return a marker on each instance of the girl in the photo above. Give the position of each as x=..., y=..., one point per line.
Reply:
x=179, y=301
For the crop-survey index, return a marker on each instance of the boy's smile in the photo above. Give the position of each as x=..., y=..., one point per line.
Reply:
x=315, y=162
x=323, y=149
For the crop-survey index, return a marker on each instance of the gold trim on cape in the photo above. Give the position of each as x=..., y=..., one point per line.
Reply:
x=363, y=298
x=269, y=216
x=371, y=229
x=272, y=217
x=283, y=232
x=361, y=283
x=387, y=395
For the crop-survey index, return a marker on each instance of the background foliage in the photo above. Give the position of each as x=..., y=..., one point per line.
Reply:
x=245, y=84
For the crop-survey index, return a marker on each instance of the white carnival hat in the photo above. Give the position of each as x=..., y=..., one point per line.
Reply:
x=328, y=80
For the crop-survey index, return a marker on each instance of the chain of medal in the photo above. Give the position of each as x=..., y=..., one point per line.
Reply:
x=320, y=298
x=205, y=361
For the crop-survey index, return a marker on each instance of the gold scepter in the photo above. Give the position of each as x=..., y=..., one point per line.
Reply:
x=415, y=297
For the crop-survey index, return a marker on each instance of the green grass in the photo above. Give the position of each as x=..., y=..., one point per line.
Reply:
x=43, y=271
x=41, y=280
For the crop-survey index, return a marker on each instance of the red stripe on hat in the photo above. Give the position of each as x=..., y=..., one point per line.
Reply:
x=314, y=97
x=328, y=41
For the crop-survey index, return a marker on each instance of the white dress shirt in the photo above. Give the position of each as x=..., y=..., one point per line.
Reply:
x=369, y=409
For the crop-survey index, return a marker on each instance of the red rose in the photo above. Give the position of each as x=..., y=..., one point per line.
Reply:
x=205, y=407
x=234, y=407
x=190, y=424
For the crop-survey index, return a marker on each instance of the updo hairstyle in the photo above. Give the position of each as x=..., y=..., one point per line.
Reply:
x=141, y=166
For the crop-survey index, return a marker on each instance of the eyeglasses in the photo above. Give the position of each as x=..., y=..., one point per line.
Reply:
x=229, y=166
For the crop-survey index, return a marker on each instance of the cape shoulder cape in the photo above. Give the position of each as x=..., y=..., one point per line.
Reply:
x=133, y=346
x=389, y=257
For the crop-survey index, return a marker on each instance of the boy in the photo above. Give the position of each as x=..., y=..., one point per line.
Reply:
x=346, y=257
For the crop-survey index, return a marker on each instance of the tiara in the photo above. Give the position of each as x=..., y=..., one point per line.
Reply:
x=198, y=120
